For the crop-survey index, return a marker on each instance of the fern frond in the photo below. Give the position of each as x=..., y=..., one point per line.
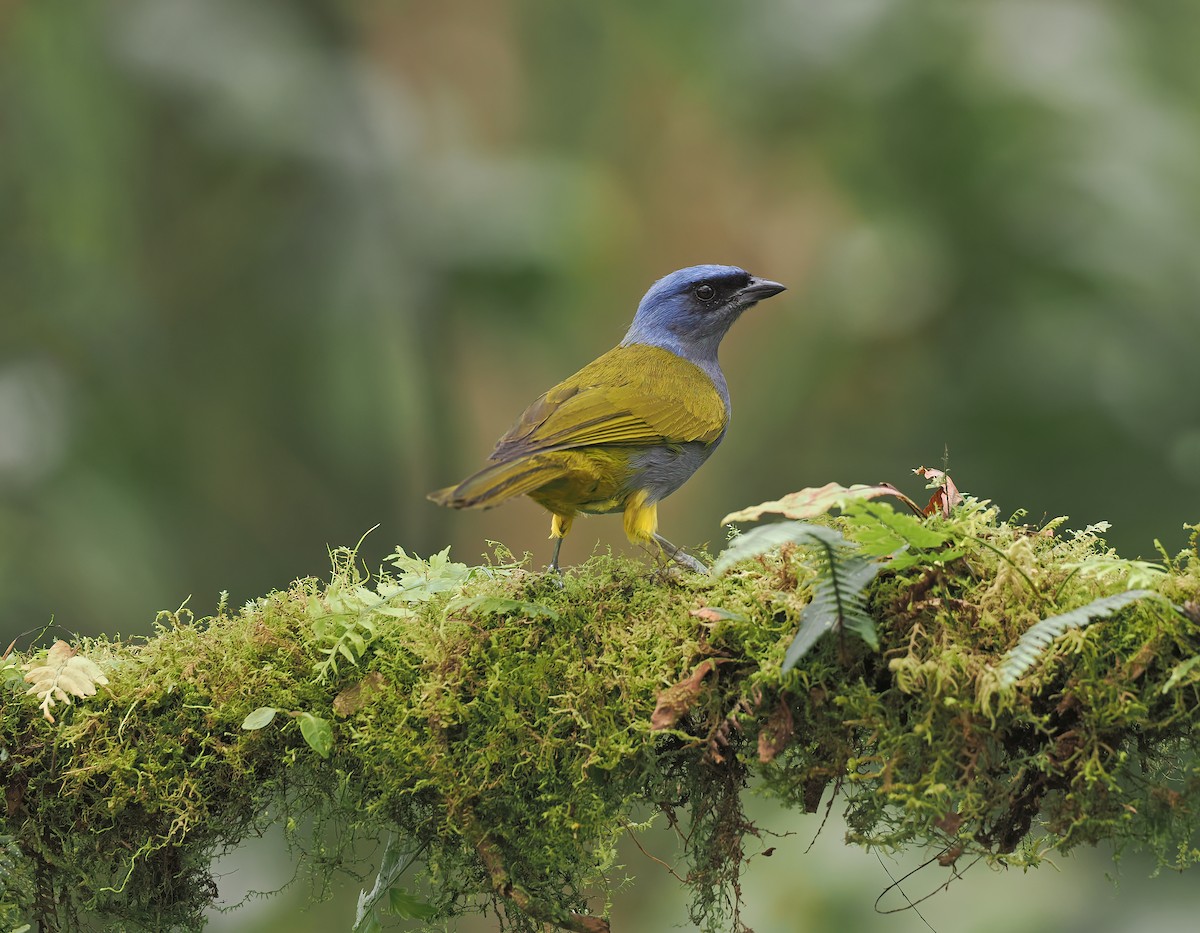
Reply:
x=839, y=595
x=1025, y=653
x=764, y=538
x=345, y=628
x=905, y=540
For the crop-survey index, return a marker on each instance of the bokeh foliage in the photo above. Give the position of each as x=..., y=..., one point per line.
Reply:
x=270, y=271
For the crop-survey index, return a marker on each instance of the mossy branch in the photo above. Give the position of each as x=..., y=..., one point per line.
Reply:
x=508, y=732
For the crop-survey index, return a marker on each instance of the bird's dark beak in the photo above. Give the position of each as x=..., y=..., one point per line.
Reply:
x=758, y=289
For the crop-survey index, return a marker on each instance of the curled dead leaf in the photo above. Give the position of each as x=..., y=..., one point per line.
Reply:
x=678, y=698
x=945, y=497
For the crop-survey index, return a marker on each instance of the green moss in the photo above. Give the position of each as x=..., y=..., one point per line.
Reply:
x=501, y=727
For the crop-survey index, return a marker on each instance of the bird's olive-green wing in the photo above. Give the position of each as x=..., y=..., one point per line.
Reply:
x=634, y=395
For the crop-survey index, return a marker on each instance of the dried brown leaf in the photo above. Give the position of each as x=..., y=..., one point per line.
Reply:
x=776, y=732
x=706, y=614
x=354, y=698
x=945, y=497
x=949, y=823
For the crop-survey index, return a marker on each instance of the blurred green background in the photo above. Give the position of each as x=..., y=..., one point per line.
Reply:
x=271, y=271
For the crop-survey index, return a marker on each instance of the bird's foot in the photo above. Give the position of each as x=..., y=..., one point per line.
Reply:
x=687, y=562
x=679, y=555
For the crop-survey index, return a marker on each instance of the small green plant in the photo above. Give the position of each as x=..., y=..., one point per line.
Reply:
x=838, y=601
x=876, y=537
x=317, y=731
x=345, y=622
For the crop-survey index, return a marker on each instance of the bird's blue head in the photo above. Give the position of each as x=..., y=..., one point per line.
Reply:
x=689, y=311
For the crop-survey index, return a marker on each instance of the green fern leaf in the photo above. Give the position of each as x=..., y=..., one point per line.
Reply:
x=904, y=539
x=767, y=538
x=1025, y=653
x=839, y=596
x=881, y=530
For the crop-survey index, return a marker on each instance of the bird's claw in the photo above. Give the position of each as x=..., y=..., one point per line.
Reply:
x=686, y=561
x=681, y=557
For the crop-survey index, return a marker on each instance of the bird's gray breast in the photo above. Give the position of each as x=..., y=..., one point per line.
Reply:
x=663, y=469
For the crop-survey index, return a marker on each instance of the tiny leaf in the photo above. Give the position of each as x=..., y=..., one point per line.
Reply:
x=1179, y=672
x=317, y=732
x=716, y=614
x=259, y=718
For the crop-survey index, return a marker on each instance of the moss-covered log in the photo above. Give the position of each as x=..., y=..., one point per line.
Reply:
x=505, y=732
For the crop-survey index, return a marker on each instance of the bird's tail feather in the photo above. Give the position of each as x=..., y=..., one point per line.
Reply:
x=496, y=483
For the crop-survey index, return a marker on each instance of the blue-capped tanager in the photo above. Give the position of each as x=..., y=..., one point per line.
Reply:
x=629, y=428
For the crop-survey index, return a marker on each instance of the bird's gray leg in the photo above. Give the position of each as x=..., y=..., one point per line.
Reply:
x=554, y=561
x=679, y=555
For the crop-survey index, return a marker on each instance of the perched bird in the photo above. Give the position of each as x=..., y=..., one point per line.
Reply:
x=629, y=428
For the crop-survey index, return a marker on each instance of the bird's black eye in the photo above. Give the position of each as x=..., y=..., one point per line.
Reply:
x=705, y=292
